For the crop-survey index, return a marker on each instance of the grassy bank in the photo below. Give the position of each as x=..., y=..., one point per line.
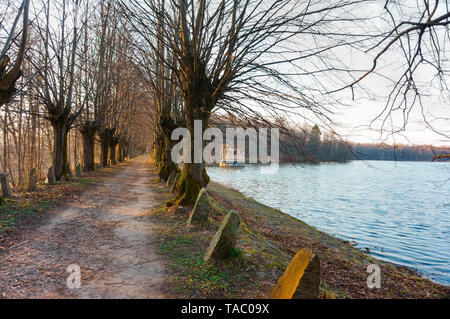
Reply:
x=268, y=240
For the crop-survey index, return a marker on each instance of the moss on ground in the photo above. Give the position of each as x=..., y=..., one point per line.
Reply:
x=14, y=212
x=192, y=276
x=83, y=181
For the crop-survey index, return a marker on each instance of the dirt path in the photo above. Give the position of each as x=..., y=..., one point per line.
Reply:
x=105, y=232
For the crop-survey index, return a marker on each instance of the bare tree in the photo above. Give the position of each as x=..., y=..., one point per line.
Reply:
x=418, y=35
x=242, y=57
x=121, y=83
x=56, y=68
x=10, y=74
x=95, y=77
x=167, y=107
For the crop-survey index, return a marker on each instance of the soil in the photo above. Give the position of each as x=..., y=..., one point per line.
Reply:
x=104, y=230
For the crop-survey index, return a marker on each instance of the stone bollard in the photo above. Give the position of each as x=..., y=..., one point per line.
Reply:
x=201, y=210
x=4, y=181
x=301, y=279
x=225, y=239
x=78, y=170
x=69, y=171
x=32, y=180
x=51, y=178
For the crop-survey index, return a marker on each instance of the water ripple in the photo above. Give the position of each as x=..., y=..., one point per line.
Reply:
x=400, y=211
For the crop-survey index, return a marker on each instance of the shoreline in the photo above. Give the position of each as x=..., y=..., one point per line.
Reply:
x=348, y=242
x=268, y=240
x=218, y=188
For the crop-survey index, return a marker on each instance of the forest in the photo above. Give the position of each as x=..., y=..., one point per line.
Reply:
x=97, y=81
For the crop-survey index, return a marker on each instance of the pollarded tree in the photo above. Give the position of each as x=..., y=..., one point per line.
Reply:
x=122, y=87
x=167, y=106
x=95, y=50
x=245, y=57
x=10, y=73
x=56, y=69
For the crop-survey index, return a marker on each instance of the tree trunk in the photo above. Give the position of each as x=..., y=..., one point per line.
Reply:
x=167, y=165
x=164, y=149
x=33, y=144
x=194, y=176
x=158, y=147
x=112, y=152
x=105, y=142
x=60, y=131
x=5, y=142
x=121, y=155
x=88, y=134
x=126, y=153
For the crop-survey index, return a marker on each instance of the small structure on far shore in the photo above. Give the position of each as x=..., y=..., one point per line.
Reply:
x=232, y=157
x=51, y=178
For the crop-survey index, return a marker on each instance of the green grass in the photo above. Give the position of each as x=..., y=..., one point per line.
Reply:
x=13, y=212
x=235, y=253
x=196, y=278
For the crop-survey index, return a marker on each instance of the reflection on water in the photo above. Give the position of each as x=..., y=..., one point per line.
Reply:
x=399, y=210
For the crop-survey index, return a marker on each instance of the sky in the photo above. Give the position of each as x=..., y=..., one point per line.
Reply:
x=354, y=119
x=359, y=117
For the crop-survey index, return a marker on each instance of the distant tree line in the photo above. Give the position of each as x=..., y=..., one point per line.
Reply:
x=297, y=143
x=308, y=144
x=382, y=152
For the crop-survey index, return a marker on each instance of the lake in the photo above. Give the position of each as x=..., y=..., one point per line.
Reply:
x=399, y=211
